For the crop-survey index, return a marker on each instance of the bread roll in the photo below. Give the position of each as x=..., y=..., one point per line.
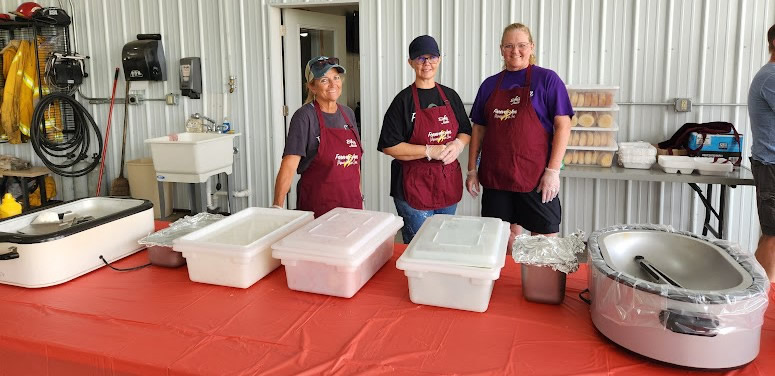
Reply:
x=587, y=99
x=606, y=159
x=601, y=100
x=568, y=158
x=595, y=101
x=605, y=120
x=583, y=139
x=586, y=119
x=609, y=99
x=575, y=158
x=574, y=120
x=595, y=157
x=597, y=139
x=574, y=96
x=574, y=139
x=579, y=101
x=588, y=158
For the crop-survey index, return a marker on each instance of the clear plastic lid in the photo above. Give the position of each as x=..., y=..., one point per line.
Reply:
x=460, y=241
x=340, y=234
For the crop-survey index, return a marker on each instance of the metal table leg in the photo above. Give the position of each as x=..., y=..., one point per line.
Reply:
x=707, y=201
x=162, y=208
x=42, y=185
x=229, y=190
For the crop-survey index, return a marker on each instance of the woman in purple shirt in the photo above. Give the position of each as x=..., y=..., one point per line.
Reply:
x=521, y=126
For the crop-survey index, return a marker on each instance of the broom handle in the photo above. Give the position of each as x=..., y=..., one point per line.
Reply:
x=123, y=142
x=107, y=133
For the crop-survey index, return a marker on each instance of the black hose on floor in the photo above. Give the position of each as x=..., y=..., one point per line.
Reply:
x=61, y=156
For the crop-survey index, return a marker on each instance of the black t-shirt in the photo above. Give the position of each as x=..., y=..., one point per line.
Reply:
x=304, y=132
x=398, y=125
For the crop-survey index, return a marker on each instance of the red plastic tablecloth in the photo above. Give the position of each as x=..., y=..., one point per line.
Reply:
x=155, y=321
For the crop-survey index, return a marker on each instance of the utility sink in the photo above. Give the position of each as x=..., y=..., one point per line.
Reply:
x=192, y=153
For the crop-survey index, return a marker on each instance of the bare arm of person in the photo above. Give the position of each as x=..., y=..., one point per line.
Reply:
x=405, y=151
x=284, y=178
x=472, y=180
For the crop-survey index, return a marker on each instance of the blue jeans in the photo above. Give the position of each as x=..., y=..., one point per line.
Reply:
x=414, y=218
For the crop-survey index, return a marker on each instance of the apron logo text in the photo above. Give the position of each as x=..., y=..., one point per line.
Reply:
x=351, y=143
x=515, y=100
x=346, y=160
x=504, y=114
x=444, y=120
x=440, y=136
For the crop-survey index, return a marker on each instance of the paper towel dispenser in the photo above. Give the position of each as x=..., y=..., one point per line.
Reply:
x=144, y=60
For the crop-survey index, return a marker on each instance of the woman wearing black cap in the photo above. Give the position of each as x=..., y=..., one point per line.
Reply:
x=425, y=129
x=323, y=146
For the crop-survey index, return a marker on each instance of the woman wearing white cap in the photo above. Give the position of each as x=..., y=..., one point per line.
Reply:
x=425, y=129
x=323, y=146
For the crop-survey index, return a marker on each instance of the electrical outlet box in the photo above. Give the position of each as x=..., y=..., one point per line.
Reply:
x=135, y=98
x=683, y=104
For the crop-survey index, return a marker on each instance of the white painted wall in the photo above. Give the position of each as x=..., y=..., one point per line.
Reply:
x=654, y=50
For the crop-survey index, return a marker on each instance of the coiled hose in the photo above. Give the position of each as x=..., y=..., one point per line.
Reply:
x=75, y=148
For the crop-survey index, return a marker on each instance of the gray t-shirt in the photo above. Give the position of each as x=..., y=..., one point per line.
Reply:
x=761, y=110
x=304, y=132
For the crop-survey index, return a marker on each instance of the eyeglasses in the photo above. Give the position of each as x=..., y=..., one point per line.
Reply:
x=422, y=59
x=520, y=46
x=325, y=60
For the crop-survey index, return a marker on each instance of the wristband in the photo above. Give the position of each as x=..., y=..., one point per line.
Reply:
x=277, y=206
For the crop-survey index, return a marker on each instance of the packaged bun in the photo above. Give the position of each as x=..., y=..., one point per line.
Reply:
x=586, y=119
x=606, y=159
x=568, y=158
x=595, y=101
x=597, y=139
x=574, y=139
x=588, y=158
x=574, y=120
x=605, y=120
x=574, y=96
x=575, y=158
x=583, y=139
x=609, y=99
x=587, y=99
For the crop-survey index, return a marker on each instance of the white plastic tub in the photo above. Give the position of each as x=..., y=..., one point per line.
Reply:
x=453, y=261
x=192, y=153
x=337, y=253
x=591, y=95
x=235, y=250
x=32, y=256
x=639, y=155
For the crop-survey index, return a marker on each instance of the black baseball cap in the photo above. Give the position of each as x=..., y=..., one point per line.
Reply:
x=423, y=45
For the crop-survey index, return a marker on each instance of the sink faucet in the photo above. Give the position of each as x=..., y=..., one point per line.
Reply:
x=210, y=125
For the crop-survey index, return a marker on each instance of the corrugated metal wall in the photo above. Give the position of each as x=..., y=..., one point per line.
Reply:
x=655, y=50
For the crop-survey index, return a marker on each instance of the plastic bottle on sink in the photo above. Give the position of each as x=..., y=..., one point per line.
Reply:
x=9, y=206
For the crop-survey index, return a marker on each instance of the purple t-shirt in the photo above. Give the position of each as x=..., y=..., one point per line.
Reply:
x=548, y=94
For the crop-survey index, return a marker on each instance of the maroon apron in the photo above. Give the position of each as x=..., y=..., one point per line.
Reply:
x=515, y=149
x=333, y=178
x=431, y=185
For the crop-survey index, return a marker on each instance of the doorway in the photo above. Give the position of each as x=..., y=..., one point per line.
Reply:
x=318, y=31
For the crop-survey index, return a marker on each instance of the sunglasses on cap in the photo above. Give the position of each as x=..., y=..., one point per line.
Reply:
x=323, y=61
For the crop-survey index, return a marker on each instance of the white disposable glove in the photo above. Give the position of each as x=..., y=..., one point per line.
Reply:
x=550, y=185
x=434, y=151
x=452, y=151
x=472, y=183
x=276, y=207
